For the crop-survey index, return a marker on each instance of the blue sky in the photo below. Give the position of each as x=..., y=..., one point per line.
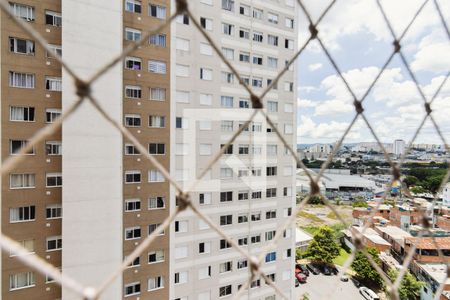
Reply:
x=359, y=40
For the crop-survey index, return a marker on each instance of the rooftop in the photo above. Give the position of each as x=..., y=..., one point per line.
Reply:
x=302, y=236
x=436, y=271
x=369, y=234
x=394, y=232
x=428, y=243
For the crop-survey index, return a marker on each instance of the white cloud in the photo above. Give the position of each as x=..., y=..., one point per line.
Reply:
x=432, y=54
x=332, y=107
x=306, y=103
x=315, y=67
x=332, y=130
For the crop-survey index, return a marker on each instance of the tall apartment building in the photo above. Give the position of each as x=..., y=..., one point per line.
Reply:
x=249, y=192
x=112, y=197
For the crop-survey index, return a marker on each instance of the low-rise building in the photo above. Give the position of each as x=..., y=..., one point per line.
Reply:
x=370, y=238
x=302, y=240
x=396, y=237
x=427, y=249
x=433, y=275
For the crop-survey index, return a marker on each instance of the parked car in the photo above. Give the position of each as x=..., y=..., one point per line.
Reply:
x=344, y=278
x=368, y=293
x=334, y=270
x=300, y=277
x=326, y=270
x=313, y=269
x=356, y=282
x=296, y=282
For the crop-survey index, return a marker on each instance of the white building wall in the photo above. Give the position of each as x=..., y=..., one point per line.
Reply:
x=189, y=161
x=92, y=159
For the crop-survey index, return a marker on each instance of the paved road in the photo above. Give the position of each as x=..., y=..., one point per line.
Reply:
x=321, y=287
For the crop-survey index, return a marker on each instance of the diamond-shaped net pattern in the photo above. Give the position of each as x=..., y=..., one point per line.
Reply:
x=83, y=88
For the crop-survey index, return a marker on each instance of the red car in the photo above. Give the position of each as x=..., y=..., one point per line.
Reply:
x=300, y=277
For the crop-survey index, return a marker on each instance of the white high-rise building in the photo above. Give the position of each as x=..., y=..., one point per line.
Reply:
x=399, y=147
x=249, y=191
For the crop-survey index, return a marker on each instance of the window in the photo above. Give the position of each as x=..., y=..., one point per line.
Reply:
x=156, y=203
x=257, y=13
x=21, y=280
x=132, y=205
x=21, y=80
x=244, y=10
x=256, y=216
x=53, y=84
x=16, y=145
x=204, y=272
x=135, y=263
x=271, y=150
x=206, y=49
x=132, y=233
x=243, y=173
x=132, y=34
x=242, y=218
x=133, y=92
x=257, y=60
x=155, y=176
x=244, y=103
x=257, y=36
x=132, y=289
x=272, y=106
x=157, y=94
x=271, y=192
x=204, y=198
x=158, y=39
x=155, y=283
x=132, y=120
x=157, y=11
x=271, y=171
x=204, y=247
x=270, y=257
x=134, y=6
x=206, y=23
x=272, y=18
x=181, y=277
x=289, y=44
x=244, y=57
x=228, y=5
x=182, y=70
x=22, y=214
x=206, y=74
x=183, y=19
x=156, y=149
x=228, y=53
x=287, y=191
x=287, y=211
x=289, y=22
x=21, y=46
x=153, y=227
x=181, y=252
x=25, y=12
x=53, y=148
x=55, y=50
x=243, y=241
x=182, y=96
x=53, y=211
x=53, y=18
x=272, y=40
x=225, y=267
x=53, y=180
x=226, y=220
x=288, y=128
x=271, y=214
x=226, y=125
x=158, y=67
x=257, y=82
x=228, y=29
x=257, y=195
x=242, y=264
x=289, y=86
x=270, y=235
x=272, y=62
x=288, y=107
x=130, y=149
x=205, y=99
x=226, y=196
x=244, y=33
x=226, y=173
x=133, y=63
x=132, y=177
x=181, y=123
x=243, y=195
x=225, y=290
x=156, y=121
x=224, y=244
x=52, y=114
x=227, y=77
x=54, y=243
x=255, y=239
x=255, y=283
x=156, y=256
x=18, y=181
x=226, y=101
x=182, y=44
x=23, y=114
x=181, y=226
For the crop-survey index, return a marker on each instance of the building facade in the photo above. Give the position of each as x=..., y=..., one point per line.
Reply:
x=175, y=95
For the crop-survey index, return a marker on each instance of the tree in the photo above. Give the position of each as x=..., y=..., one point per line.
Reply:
x=360, y=203
x=417, y=189
x=315, y=200
x=410, y=180
x=365, y=270
x=409, y=286
x=323, y=247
